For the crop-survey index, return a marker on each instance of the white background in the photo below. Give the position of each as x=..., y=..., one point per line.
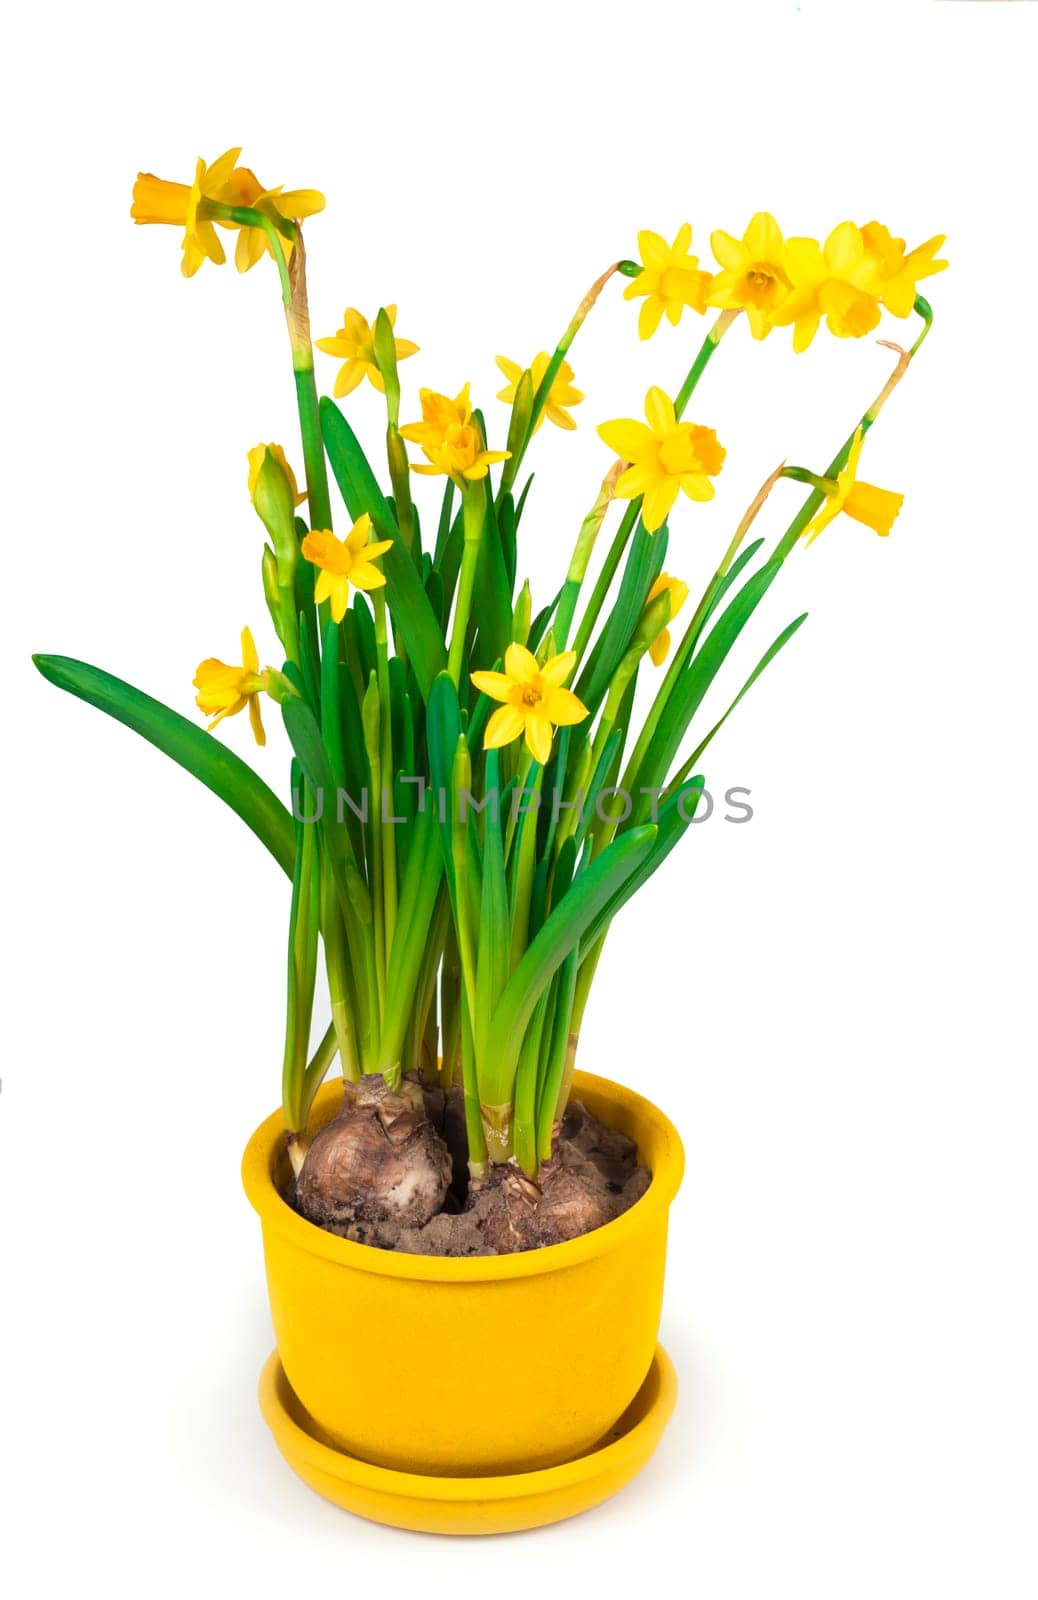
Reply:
x=834, y=1002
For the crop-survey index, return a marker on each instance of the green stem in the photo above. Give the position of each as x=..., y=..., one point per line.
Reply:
x=605, y=577
x=372, y=712
x=292, y=276
x=461, y=782
x=389, y=863
x=321, y=1060
x=313, y=448
x=558, y=1051
x=524, y=1095
x=582, y=552
x=698, y=367
x=337, y=968
x=473, y=507
x=681, y=656
x=302, y=962
x=511, y=467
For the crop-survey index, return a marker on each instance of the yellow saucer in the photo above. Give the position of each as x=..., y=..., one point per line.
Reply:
x=504, y=1504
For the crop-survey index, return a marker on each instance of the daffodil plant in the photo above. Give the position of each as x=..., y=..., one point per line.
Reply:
x=478, y=785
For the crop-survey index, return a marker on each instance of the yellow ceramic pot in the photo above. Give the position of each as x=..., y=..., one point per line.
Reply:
x=482, y=1365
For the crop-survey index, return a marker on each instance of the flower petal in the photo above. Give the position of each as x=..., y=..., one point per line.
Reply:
x=249, y=657
x=563, y=708
x=538, y=738
x=659, y=411
x=764, y=237
x=629, y=439
x=653, y=249
x=659, y=498
x=649, y=316
x=557, y=670
x=357, y=537
x=845, y=247
x=348, y=377
x=495, y=685
x=520, y=665
x=633, y=482
x=300, y=203
x=505, y=725
x=340, y=594
x=256, y=719
x=659, y=648
x=728, y=252
x=365, y=576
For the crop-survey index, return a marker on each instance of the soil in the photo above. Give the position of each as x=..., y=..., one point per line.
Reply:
x=391, y=1170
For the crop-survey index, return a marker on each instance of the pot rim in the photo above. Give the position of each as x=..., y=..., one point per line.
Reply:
x=274, y=1212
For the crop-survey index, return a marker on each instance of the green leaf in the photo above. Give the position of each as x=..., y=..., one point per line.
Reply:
x=446, y=520
x=644, y=565
x=495, y=927
x=766, y=659
x=442, y=731
x=721, y=586
x=671, y=825
x=412, y=614
x=492, y=609
x=305, y=734
x=539, y=625
x=187, y=744
x=421, y=885
x=690, y=690
x=605, y=767
x=588, y=895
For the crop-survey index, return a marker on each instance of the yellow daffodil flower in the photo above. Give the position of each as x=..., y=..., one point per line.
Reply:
x=354, y=344
x=183, y=205
x=664, y=457
x=753, y=276
x=533, y=700
x=256, y=455
x=894, y=275
x=560, y=395
x=670, y=277
x=877, y=508
x=243, y=188
x=659, y=649
x=344, y=561
x=223, y=690
x=449, y=440
x=156, y=200
x=833, y=282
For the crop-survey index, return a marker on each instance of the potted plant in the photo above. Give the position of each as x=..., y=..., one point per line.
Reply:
x=478, y=785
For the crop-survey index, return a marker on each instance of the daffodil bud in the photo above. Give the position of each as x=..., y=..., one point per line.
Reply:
x=275, y=505
x=547, y=647
x=522, y=413
x=653, y=621
x=385, y=357
x=271, y=593
x=522, y=615
x=371, y=721
x=461, y=776
x=461, y=786
x=279, y=687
